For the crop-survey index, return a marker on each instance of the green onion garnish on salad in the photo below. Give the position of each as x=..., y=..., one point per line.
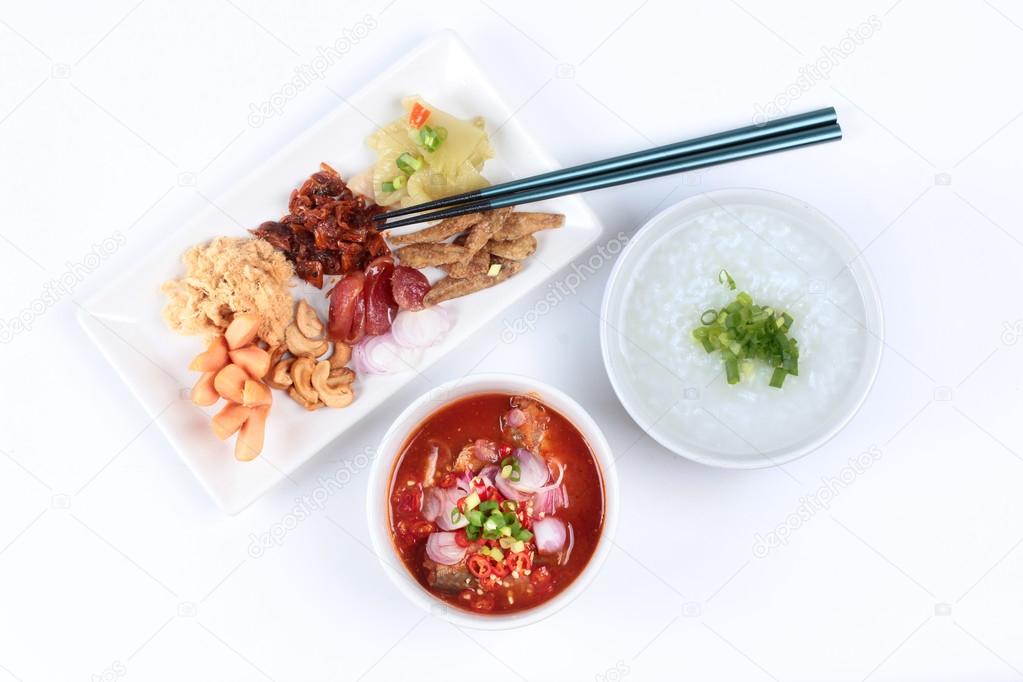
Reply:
x=744, y=332
x=407, y=163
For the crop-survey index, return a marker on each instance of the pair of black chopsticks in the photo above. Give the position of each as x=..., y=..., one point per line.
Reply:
x=790, y=132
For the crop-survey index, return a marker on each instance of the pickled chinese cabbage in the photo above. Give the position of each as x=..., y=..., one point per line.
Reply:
x=427, y=154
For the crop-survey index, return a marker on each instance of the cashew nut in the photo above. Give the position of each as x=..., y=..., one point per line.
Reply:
x=308, y=321
x=280, y=374
x=337, y=395
x=301, y=378
x=297, y=397
x=302, y=346
x=341, y=356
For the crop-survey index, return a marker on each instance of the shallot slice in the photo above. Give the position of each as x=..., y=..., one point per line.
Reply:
x=444, y=549
x=381, y=355
x=550, y=535
x=420, y=328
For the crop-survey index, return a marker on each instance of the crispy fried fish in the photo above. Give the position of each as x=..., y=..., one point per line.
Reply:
x=426, y=255
x=452, y=287
x=477, y=265
x=481, y=232
x=438, y=232
x=521, y=223
x=515, y=249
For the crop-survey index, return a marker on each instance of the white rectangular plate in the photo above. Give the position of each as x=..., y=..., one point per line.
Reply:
x=124, y=317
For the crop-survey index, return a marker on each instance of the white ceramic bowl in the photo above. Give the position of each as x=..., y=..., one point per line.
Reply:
x=667, y=431
x=394, y=439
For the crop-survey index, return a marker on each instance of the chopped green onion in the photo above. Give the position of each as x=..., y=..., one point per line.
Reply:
x=472, y=532
x=488, y=506
x=472, y=500
x=431, y=137
x=386, y=186
x=496, y=554
x=398, y=182
x=475, y=517
x=408, y=163
x=455, y=515
x=506, y=471
x=745, y=332
x=518, y=546
x=506, y=531
x=509, y=505
x=524, y=535
x=725, y=278
x=485, y=551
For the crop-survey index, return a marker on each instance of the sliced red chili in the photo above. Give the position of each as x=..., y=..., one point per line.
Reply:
x=519, y=561
x=478, y=566
x=461, y=539
x=499, y=569
x=504, y=450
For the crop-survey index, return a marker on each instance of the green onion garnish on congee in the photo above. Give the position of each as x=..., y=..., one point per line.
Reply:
x=744, y=332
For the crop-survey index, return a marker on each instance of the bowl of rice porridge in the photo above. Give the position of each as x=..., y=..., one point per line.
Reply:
x=740, y=328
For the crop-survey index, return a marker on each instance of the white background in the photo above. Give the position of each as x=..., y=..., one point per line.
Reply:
x=122, y=117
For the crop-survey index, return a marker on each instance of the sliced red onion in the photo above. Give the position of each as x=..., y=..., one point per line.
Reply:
x=548, y=501
x=549, y=535
x=449, y=502
x=382, y=355
x=515, y=418
x=533, y=471
x=432, y=501
x=489, y=474
x=420, y=328
x=444, y=549
x=504, y=486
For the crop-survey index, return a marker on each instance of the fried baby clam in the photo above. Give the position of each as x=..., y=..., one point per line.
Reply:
x=453, y=287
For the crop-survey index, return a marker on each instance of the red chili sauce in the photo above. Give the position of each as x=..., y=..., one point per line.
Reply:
x=480, y=511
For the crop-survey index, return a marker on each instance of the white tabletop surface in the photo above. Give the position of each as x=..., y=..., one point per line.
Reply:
x=119, y=119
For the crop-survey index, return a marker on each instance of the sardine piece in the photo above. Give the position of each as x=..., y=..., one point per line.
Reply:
x=515, y=249
x=426, y=255
x=521, y=223
x=452, y=287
